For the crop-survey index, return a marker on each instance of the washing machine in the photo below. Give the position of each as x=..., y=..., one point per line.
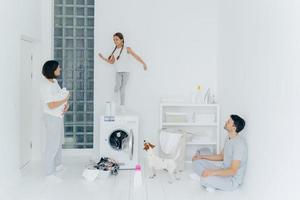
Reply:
x=119, y=139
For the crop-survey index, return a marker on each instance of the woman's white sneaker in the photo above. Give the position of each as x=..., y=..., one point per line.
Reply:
x=60, y=168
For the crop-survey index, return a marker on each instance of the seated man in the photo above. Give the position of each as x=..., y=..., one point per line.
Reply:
x=234, y=156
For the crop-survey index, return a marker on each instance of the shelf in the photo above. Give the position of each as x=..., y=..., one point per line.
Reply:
x=188, y=105
x=187, y=124
x=202, y=120
x=201, y=143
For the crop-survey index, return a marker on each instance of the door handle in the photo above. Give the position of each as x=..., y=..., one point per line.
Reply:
x=131, y=144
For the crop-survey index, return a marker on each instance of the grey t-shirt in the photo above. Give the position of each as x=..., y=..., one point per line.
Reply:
x=236, y=149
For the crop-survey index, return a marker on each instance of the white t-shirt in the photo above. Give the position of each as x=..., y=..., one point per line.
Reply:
x=123, y=64
x=236, y=149
x=51, y=92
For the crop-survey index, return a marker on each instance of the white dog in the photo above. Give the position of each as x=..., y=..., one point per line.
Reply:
x=157, y=163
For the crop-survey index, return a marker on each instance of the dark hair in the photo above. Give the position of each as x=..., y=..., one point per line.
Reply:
x=48, y=69
x=119, y=35
x=239, y=122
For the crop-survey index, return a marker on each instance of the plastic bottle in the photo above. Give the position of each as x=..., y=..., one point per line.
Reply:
x=197, y=96
x=137, y=180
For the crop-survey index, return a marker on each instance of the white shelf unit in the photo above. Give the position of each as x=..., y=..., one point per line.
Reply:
x=187, y=124
x=202, y=120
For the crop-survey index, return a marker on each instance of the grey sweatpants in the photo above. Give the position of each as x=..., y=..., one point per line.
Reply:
x=54, y=138
x=121, y=81
x=216, y=182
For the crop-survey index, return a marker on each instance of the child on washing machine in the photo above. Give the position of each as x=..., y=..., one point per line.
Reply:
x=120, y=60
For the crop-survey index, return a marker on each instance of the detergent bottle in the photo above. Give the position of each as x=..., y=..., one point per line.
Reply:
x=137, y=180
x=197, y=96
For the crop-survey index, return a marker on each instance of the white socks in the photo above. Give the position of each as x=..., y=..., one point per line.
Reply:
x=197, y=178
x=53, y=178
x=60, y=168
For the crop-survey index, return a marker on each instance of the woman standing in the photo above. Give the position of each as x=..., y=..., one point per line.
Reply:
x=55, y=104
x=120, y=58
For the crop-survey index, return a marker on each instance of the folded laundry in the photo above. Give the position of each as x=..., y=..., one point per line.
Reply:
x=204, y=151
x=63, y=93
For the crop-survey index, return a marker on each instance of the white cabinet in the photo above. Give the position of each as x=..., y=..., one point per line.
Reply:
x=199, y=121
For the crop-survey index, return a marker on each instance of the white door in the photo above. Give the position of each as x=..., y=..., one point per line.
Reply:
x=26, y=102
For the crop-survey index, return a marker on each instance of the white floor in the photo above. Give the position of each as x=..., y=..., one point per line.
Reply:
x=34, y=187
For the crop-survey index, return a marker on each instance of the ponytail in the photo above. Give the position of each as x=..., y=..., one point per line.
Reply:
x=112, y=52
x=120, y=52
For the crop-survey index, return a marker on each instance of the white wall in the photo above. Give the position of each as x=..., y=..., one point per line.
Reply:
x=177, y=39
x=259, y=79
x=45, y=53
x=18, y=18
x=9, y=62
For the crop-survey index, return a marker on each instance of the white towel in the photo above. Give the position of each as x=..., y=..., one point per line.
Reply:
x=63, y=93
x=169, y=141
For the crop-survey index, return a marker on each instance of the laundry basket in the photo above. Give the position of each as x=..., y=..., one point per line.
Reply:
x=178, y=154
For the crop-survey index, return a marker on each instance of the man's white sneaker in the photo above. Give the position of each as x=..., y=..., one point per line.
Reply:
x=195, y=177
x=53, y=179
x=209, y=189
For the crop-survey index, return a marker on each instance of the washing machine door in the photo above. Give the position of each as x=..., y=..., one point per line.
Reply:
x=121, y=140
x=118, y=139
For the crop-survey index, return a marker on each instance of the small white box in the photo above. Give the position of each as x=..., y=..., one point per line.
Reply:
x=90, y=174
x=176, y=117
